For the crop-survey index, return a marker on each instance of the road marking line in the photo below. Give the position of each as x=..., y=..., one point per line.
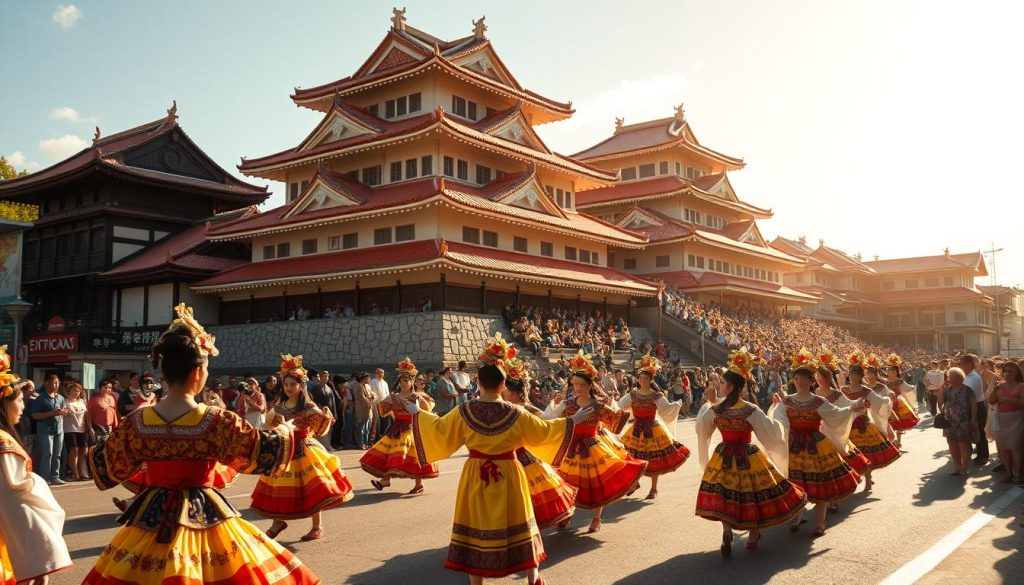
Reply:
x=923, y=564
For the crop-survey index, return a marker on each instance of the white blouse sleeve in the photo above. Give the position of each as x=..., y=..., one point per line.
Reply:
x=909, y=393
x=771, y=435
x=553, y=410
x=836, y=422
x=626, y=402
x=31, y=521
x=881, y=407
x=779, y=416
x=705, y=428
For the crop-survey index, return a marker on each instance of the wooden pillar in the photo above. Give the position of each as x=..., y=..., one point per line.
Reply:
x=444, y=294
x=284, y=305
x=145, y=305
x=483, y=296
x=252, y=308
x=578, y=307
x=118, y=316
x=359, y=300
x=517, y=297
x=175, y=296
x=319, y=304
x=398, y=286
x=549, y=299
x=604, y=306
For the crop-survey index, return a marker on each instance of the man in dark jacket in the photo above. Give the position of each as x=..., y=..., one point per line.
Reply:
x=323, y=394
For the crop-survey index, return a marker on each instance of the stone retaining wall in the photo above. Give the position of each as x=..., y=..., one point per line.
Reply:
x=343, y=345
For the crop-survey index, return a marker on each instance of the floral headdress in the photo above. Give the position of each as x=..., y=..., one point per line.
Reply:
x=407, y=368
x=204, y=341
x=515, y=369
x=856, y=359
x=872, y=362
x=648, y=363
x=6, y=378
x=497, y=352
x=741, y=362
x=803, y=360
x=291, y=365
x=828, y=359
x=894, y=360
x=581, y=363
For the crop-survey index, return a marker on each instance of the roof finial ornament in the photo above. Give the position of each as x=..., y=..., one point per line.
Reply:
x=96, y=135
x=172, y=112
x=479, y=28
x=802, y=239
x=821, y=241
x=618, y=124
x=444, y=247
x=876, y=257
x=398, y=20
x=680, y=114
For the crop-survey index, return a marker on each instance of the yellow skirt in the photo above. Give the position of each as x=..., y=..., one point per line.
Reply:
x=232, y=552
x=311, y=483
x=649, y=440
x=6, y=571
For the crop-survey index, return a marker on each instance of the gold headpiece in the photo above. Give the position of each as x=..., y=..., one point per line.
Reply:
x=292, y=365
x=205, y=341
x=515, y=369
x=856, y=359
x=872, y=362
x=497, y=352
x=894, y=360
x=803, y=360
x=6, y=378
x=649, y=364
x=741, y=362
x=407, y=368
x=828, y=359
x=581, y=363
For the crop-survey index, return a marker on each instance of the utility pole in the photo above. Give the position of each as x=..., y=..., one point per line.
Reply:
x=995, y=283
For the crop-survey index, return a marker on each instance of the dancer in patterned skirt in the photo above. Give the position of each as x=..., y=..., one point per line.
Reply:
x=313, y=480
x=394, y=455
x=553, y=499
x=870, y=430
x=741, y=486
x=904, y=399
x=650, y=436
x=814, y=426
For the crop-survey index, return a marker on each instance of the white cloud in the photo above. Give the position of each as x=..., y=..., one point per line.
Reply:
x=64, y=113
x=60, y=148
x=66, y=16
x=636, y=100
x=18, y=161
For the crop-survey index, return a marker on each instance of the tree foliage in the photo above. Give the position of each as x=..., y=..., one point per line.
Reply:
x=7, y=170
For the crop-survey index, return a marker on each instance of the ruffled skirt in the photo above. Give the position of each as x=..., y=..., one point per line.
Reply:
x=879, y=450
x=395, y=456
x=601, y=475
x=743, y=489
x=856, y=459
x=553, y=499
x=652, y=442
x=6, y=571
x=816, y=467
x=312, y=482
x=902, y=417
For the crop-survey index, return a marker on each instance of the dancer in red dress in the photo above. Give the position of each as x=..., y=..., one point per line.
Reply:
x=394, y=455
x=870, y=430
x=904, y=399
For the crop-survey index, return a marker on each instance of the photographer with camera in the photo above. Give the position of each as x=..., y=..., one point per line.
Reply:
x=251, y=405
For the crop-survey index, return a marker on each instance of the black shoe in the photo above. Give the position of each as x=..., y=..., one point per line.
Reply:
x=981, y=462
x=999, y=468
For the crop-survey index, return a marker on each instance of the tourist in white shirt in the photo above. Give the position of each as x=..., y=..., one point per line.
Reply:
x=972, y=380
x=934, y=379
x=381, y=390
x=463, y=383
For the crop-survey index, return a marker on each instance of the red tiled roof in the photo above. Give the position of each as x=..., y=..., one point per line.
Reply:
x=735, y=229
x=106, y=153
x=687, y=280
x=924, y=295
x=670, y=229
x=792, y=247
x=665, y=186
x=840, y=259
x=929, y=263
x=654, y=134
x=424, y=252
x=678, y=279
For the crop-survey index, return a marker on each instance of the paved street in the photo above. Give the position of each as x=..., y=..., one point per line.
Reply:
x=389, y=538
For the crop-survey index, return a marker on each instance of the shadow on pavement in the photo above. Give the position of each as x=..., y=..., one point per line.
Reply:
x=86, y=553
x=426, y=566
x=91, y=523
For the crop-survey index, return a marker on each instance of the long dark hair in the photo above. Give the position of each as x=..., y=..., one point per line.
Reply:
x=516, y=387
x=589, y=380
x=5, y=425
x=738, y=382
x=302, y=399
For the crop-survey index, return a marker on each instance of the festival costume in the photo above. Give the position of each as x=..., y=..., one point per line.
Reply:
x=904, y=398
x=648, y=436
x=31, y=520
x=394, y=455
x=494, y=532
x=223, y=477
x=854, y=457
x=871, y=428
x=553, y=498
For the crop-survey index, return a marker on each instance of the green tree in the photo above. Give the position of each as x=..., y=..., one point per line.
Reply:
x=7, y=170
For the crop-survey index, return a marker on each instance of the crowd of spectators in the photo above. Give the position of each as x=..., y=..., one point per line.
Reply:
x=596, y=333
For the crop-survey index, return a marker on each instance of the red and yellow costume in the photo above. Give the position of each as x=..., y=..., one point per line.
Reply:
x=854, y=457
x=650, y=437
x=741, y=486
x=180, y=530
x=553, y=499
x=394, y=455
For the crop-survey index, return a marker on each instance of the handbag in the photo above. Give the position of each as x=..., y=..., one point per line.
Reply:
x=941, y=422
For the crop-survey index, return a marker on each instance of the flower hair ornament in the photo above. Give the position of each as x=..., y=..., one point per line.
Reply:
x=872, y=362
x=741, y=362
x=828, y=359
x=856, y=359
x=203, y=340
x=291, y=365
x=803, y=360
x=648, y=364
x=581, y=363
x=407, y=368
x=6, y=378
x=894, y=360
x=515, y=369
x=497, y=352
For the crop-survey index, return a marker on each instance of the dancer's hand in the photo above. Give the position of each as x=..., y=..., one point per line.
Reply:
x=582, y=415
x=327, y=412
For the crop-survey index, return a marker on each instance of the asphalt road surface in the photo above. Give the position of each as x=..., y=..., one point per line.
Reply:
x=387, y=538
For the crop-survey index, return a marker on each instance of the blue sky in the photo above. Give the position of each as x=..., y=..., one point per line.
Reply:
x=887, y=128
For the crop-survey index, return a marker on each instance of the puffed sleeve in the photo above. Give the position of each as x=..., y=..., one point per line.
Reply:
x=626, y=402
x=705, y=428
x=613, y=418
x=113, y=461
x=770, y=434
x=553, y=410
x=836, y=422
x=437, y=437
x=881, y=407
x=779, y=416
x=668, y=411
x=313, y=419
x=547, y=440
x=249, y=450
x=384, y=407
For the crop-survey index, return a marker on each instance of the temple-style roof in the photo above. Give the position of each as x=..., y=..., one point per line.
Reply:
x=925, y=295
x=655, y=135
x=429, y=124
x=972, y=260
x=180, y=253
x=491, y=200
x=423, y=254
x=713, y=281
x=406, y=52
x=797, y=248
x=668, y=186
x=840, y=259
x=107, y=154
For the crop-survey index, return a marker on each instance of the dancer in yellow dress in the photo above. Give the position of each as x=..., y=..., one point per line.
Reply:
x=904, y=399
x=394, y=455
x=313, y=481
x=494, y=533
x=31, y=520
x=180, y=530
x=650, y=436
x=870, y=430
